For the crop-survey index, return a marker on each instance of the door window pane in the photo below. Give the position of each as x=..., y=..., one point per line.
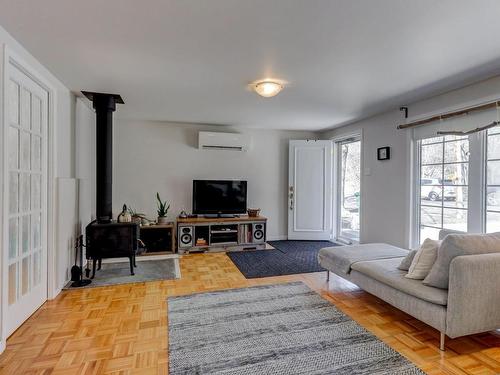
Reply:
x=25, y=275
x=349, y=186
x=37, y=268
x=13, y=237
x=455, y=219
x=12, y=283
x=455, y=196
x=493, y=172
x=14, y=103
x=432, y=154
x=35, y=192
x=36, y=115
x=13, y=193
x=456, y=174
x=13, y=148
x=456, y=151
x=36, y=228
x=25, y=108
x=25, y=192
x=493, y=222
x=25, y=233
x=25, y=150
x=428, y=232
x=494, y=147
x=431, y=216
x=36, y=153
x=493, y=198
x=433, y=173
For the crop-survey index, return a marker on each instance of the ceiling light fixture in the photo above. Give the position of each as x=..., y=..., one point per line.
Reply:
x=267, y=88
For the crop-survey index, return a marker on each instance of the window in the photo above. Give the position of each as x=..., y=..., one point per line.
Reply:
x=443, y=188
x=493, y=181
x=457, y=178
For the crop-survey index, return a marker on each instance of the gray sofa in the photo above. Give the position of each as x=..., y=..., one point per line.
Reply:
x=471, y=304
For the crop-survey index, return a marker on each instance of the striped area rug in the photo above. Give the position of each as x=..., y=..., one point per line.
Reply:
x=272, y=329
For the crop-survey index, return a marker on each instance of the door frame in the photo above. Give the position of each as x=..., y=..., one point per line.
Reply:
x=11, y=57
x=335, y=183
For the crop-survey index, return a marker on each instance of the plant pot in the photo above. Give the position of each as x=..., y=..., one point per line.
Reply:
x=162, y=220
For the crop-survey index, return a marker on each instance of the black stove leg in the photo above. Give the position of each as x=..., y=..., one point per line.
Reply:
x=94, y=263
x=131, y=266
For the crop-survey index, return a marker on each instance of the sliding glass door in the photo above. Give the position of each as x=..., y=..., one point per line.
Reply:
x=348, y=189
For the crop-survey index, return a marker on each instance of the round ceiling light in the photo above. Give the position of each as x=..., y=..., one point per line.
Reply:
x=267, y=88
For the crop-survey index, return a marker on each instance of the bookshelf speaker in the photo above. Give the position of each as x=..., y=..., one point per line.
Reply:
x=258, y=233
x=185, y=237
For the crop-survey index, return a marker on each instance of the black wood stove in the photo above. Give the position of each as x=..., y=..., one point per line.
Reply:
x=104, y=237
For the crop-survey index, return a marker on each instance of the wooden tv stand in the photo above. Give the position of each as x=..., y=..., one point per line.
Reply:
x=221, y=234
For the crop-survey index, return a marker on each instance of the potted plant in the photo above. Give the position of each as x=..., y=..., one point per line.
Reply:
x=137, y=217
x=162, y=210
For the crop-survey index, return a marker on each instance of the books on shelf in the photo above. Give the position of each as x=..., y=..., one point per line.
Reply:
x=245, y=233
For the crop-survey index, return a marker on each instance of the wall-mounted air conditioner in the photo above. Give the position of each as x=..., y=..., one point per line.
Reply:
x=223, y=141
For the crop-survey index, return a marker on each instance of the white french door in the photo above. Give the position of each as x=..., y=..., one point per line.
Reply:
x=25, y=192
x=309, y=190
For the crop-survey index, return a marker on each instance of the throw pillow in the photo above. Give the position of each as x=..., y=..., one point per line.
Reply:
x=406, y=262
x=423, y=260
x=455, y=245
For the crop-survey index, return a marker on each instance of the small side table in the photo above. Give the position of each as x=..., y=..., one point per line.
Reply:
x=158, y=238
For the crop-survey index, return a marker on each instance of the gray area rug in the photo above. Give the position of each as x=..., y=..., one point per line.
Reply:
x=274, y=329
x=146, y=270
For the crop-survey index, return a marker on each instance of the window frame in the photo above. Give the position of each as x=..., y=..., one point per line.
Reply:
x=477, y=186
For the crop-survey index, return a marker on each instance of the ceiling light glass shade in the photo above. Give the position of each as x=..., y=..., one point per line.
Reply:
x=268, y=89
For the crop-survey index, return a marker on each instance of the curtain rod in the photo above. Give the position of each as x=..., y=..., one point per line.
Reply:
x=448, y=115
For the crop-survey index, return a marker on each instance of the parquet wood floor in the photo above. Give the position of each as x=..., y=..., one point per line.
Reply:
x=123, y=329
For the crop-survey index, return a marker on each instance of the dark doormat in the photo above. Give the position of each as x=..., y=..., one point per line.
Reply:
x=288, y=258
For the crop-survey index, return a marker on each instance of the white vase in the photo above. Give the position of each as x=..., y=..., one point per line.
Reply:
x=162, y=220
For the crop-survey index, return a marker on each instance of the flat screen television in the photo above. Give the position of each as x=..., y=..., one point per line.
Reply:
x=219, y=197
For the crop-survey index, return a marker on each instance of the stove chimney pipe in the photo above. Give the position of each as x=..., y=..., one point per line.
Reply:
x=104, y=105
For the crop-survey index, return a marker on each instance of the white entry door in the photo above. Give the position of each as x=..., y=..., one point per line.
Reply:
x=25, y=188
x=310, y=190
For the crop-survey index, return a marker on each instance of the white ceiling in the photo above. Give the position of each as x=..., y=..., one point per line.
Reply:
x=191, y=60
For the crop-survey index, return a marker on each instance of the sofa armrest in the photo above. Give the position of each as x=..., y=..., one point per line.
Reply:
x=473, y=295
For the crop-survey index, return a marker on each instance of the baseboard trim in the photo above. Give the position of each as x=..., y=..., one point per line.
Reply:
x=53, y=295
x=282, y=237
x=2, y=346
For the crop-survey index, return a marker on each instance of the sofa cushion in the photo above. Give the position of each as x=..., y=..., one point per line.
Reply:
x=444, y=232
x=424, y=260
x=340, y=258
x=455, y=245
x=386, y=271
x=406, y=262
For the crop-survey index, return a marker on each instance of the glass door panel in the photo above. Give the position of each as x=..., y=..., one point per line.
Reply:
x=348, y=189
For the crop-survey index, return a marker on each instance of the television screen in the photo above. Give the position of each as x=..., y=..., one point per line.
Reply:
x=219, y=197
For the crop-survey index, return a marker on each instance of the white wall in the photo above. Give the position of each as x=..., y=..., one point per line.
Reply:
x=386, y=196
x=62, y=147
x=164, y=157
x=85, y=150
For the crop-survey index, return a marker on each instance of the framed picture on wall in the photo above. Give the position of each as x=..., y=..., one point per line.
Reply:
x=383, y=153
